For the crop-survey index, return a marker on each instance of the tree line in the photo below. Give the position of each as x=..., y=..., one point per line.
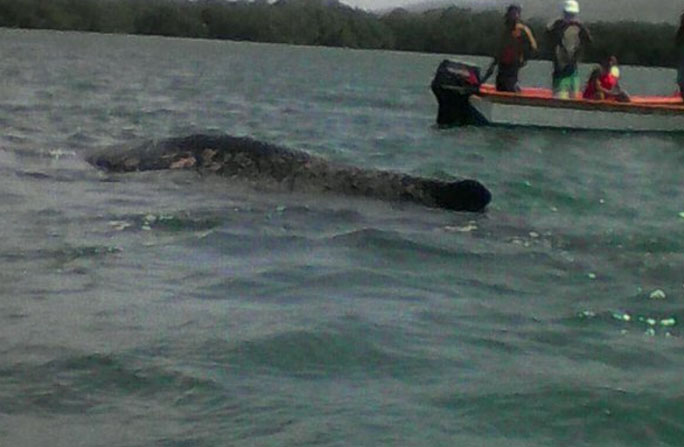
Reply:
x=451, y=30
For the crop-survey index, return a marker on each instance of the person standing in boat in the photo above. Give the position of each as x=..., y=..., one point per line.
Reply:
x=516, y=44
x=679, y=42
x=568, y=38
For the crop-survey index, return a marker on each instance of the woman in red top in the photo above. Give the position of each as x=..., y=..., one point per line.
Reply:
x=603, y=82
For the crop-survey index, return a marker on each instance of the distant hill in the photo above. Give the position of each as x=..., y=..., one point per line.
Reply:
x=333, y=23
x=653, y=11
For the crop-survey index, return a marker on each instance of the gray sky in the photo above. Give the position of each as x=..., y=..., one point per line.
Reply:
x=608, y=10
x=379, y=4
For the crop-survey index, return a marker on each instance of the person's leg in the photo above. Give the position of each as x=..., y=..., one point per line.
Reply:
x=555, y=86
x=574, y=85
x=500, y=84
x=507, y=79
x=561, y=89
x=507, y=84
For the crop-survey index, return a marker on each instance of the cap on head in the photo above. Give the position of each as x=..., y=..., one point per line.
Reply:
x=571, y=7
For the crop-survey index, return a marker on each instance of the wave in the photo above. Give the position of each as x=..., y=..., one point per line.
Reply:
x=351, y=348
x=570, y=414
x=77, y=383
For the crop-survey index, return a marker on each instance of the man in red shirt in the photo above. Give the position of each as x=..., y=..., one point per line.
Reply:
x=515, y=45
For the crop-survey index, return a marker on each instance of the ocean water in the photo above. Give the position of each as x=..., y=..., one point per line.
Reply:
x=174, y=309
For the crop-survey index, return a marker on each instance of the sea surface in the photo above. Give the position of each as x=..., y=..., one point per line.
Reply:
x=179, y=309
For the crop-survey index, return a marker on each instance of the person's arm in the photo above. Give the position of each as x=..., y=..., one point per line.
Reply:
x=530, y=38
x=552, y=31
x=490, y=70
x=585, y=35
x=605, y=93
x=616, y=93
x=550, y=26
x=600, y=91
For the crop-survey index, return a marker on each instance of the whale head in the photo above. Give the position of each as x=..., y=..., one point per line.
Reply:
x=464, y=195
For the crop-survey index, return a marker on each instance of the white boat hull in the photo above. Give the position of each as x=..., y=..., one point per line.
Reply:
x=508, y=114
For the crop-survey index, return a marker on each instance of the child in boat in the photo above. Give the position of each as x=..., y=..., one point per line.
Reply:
x=604, y=82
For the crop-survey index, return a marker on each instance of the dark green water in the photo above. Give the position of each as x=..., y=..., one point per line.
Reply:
x=174, y=309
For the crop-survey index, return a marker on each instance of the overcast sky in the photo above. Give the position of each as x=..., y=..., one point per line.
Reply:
x=608, y=10
x=380, y=4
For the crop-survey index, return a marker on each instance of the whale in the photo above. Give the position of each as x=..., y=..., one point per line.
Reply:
x=295, y=170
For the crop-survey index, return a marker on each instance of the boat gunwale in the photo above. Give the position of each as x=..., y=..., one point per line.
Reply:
x=581, y=104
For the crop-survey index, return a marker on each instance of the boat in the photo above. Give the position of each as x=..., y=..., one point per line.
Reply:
x=464, y=100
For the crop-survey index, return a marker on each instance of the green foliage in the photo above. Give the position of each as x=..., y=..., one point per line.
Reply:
x=165, y=18
x=634, y=43
x=325, y=22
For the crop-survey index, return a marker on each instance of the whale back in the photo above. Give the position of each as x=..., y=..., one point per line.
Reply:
x=247, y=158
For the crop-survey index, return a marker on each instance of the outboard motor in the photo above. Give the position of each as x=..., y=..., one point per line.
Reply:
x=453, y=83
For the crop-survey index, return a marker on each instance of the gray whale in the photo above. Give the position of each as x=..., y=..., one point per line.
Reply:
x=246, y=158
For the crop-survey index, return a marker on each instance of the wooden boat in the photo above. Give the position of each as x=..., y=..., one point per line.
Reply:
x=463, y=100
